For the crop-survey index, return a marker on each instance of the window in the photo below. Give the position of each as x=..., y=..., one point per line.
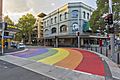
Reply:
x=46, y=31
x=51, y=20
x=55, y=19
x=47, y=22
x=65, y=15
x=84, y=14
x=60, y=17
x=63, y=28
x=53, y=30
x=74, y=13
x=88, y=15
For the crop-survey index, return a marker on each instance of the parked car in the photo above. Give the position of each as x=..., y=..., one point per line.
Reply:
x=13, y=44
x=21, y=46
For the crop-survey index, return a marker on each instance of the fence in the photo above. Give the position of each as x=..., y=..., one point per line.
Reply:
x=106, y=51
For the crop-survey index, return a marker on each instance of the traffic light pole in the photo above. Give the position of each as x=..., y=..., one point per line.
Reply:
x=3, y=27
x=112, y=35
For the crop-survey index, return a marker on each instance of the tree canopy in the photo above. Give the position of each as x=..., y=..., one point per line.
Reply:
x=9, y=22
x=97, y=20
x=26, y=25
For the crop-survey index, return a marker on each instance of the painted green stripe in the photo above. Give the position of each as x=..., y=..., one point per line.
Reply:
x=44, y=55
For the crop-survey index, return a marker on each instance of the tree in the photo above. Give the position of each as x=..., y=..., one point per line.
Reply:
x=26, y=25
x=9, y=22
x=97, y=21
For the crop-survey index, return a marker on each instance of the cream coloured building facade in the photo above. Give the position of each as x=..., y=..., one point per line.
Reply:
x=38, y=29
x=61, y=25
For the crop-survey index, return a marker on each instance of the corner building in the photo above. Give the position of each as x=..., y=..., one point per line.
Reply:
x=62, y=25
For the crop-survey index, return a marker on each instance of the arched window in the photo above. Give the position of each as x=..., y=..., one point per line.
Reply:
x=65, y=15
x=63, y=28
x=60, y=17
x=74, y=13
x=54, y=30
x=55, y=19
x=46, y=31
x=84, y=14
x=51, y=20
x=88, y=15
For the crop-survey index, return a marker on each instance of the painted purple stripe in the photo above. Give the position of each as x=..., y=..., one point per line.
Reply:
x=30, y=51
x=33, y=53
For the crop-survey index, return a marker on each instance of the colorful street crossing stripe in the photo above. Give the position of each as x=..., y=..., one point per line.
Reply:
x=72, y=61
x=71, y=58
x=91, y=63
x=45, y=55
x=60, y=55
x=33, y=52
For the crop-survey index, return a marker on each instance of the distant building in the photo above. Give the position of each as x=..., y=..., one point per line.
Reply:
x=38, y=29
x=61, y=25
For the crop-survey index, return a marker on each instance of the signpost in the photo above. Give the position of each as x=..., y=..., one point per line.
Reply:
x=3, y=27
x=112, y=36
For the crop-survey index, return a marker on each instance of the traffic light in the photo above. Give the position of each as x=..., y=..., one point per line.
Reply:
x=106, y=19
x=109, y=19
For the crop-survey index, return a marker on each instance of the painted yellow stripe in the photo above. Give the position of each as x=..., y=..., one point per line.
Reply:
x=60, y=55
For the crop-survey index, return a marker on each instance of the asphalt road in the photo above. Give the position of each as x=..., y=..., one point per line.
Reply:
x=10, y=50
x=9, y=71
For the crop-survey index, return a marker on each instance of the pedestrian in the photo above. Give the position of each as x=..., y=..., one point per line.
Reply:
x=6, y=45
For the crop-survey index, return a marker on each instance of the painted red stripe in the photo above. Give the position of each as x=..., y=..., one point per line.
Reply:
x=91, y=63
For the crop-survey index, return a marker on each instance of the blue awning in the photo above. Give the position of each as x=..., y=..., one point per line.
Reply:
x=7, y=37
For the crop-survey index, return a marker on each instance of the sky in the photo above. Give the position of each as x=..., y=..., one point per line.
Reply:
x=16, y=8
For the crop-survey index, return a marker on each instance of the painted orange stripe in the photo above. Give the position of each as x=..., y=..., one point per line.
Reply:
x=72, y=61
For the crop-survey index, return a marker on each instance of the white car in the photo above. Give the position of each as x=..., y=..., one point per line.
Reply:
x=21, y=46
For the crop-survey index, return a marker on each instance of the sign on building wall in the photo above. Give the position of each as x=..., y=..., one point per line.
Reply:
x=75, y=27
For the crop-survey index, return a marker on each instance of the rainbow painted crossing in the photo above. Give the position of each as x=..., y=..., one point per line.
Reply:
x=74, y=59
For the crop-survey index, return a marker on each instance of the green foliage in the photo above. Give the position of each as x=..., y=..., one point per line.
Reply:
x=9, y=22
x=26, y=25
x=96, y=20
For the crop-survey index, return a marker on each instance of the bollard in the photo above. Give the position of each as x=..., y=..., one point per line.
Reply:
x=96, y=49
x=106, y=52
x=118, y=59
x=101, y=50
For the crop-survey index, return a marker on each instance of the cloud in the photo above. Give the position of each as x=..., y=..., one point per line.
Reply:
x=15, y=5
x=12, y=7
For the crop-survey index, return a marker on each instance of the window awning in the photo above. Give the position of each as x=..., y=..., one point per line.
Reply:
x=7, y=37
